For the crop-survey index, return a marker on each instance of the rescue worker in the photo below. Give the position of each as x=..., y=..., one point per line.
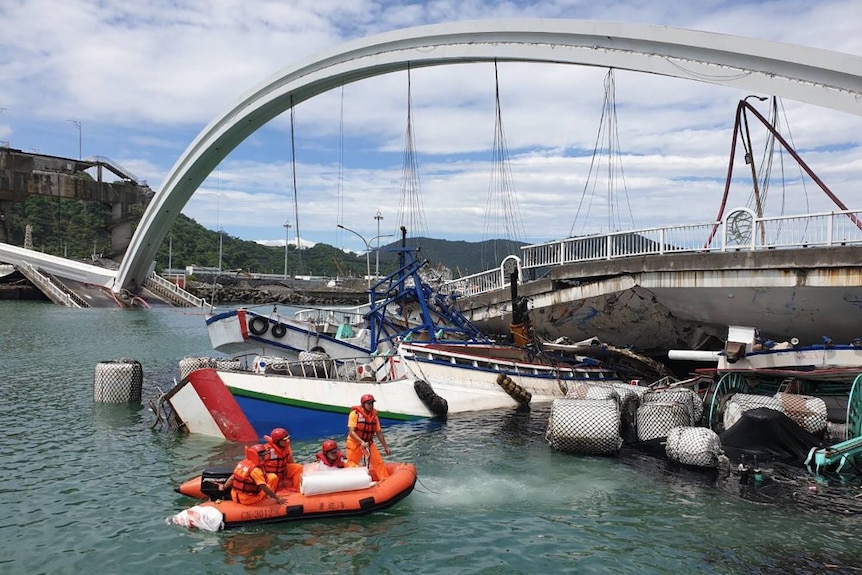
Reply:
x=362, y=425
x=250, y=483
x=330, y=456
x=279, y=459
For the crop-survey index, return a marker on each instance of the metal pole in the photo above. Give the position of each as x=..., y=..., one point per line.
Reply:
x=377, y=217
x=286, y=239
x=220, y=239
x=77, y=124
x=367, y=250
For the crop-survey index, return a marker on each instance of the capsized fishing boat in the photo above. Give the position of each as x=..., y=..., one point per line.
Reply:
x=421, y=380
x=325, y=493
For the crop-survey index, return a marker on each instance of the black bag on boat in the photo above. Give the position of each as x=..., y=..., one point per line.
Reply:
x=770, y=435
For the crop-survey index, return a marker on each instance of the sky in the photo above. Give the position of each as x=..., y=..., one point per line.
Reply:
x=137, y=81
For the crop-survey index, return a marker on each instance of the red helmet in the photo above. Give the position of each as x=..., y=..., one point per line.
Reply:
x=367, y=397
x=279, y=433
x=328, y=445
x=256, y=452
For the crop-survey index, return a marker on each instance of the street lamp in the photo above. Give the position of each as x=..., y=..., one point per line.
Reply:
x=220, y=245
x=77, y=124
x=377, y=217
x=287, y=227
x=367, y=250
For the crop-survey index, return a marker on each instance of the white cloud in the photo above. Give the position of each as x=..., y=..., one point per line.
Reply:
x=145, y=77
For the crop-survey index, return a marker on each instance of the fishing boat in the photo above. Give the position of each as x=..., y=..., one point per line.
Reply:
x=421, y=380
x=749, y=364
x=401, y=304
x=326, y=493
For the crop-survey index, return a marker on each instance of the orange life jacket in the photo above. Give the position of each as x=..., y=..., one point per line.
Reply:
x=276, y=458
x=339, y=459
x=366, y=423
x=242, y=480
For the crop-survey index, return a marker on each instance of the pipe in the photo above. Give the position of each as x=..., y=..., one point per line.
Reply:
x=693, y=355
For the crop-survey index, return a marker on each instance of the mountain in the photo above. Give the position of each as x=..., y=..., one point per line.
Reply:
x=191, y=244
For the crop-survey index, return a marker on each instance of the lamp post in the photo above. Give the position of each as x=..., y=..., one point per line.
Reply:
x=287, y=227
x=220, y=245
x=77, y=124
x=367, y=250
x=377, y=217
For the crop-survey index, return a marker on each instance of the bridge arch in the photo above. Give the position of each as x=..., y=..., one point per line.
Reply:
x=820, y=77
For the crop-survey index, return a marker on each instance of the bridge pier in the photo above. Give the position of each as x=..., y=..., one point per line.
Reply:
x=5, y=209
x=122, y=226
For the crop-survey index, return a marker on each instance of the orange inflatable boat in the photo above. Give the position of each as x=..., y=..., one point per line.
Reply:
x=311, y=503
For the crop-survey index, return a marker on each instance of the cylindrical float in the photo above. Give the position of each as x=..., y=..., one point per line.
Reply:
x=697, y=446
x=317, y=479
x=589, y=391
x=118, y=381
x=656, y=418
x=681, y=395
x=739, y=403
x=807, y=411
x=225, y=363
x=190, y=364
x=585, y=426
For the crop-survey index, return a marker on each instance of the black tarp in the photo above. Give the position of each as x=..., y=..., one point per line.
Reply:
x=770, y=435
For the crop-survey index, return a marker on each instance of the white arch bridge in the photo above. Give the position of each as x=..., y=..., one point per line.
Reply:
x=816, y=76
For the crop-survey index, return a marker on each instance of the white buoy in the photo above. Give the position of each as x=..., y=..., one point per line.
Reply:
x=739, y=403
x=656, y=418
x=190, y=364
x=588, y=391
x=118, y=381
x=681, y=395
x=697, y=446
x=807, y=411
x=585, y=426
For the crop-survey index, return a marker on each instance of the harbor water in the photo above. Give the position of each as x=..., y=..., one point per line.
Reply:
x=88, y=486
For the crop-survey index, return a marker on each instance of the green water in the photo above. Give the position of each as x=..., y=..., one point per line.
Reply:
x=88, y=486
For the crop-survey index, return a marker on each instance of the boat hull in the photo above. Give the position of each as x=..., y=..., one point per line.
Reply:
x=242, y=332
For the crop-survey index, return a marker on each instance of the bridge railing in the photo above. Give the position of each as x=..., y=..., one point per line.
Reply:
x=171, y=290
x=740, y=230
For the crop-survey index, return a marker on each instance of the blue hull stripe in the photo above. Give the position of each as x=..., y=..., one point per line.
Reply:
x=302, y=419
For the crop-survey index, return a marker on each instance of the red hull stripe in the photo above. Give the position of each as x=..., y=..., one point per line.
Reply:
x=222, y=406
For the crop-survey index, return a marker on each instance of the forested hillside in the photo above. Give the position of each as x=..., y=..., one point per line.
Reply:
x=76, y=229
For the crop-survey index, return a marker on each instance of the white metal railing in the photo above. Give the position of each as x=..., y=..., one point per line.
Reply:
x=173, y=290
x=323, y=316
x=740, y=230
x=59, y=294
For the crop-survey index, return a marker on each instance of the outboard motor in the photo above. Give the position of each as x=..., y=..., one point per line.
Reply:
x=212, y=478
